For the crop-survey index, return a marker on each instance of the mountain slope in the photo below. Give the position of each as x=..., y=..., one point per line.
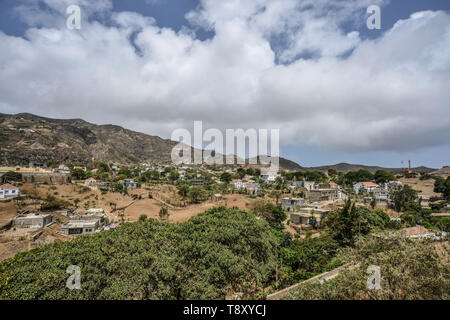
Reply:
x=345, y=167
x=29, y=138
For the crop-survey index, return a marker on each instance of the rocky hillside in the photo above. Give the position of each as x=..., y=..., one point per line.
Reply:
x=28, y=138
x=345, y=167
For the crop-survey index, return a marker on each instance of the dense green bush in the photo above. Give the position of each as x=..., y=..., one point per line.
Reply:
x=303, y=259
x=409, y=269
x=345, y=223
x=52, y=203
x=11, y=176
x=213, y=254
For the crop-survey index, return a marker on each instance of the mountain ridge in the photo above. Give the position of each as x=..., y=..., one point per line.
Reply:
x=31, y=138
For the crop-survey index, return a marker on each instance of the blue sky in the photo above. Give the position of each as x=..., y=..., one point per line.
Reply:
x=309, y=72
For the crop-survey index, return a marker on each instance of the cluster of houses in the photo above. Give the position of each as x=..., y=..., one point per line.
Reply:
x=8, y=191
x=93, y=183
x=377, y=194
x=32, y=220
x=247, y=184
x=303, y=216
x=86, y=222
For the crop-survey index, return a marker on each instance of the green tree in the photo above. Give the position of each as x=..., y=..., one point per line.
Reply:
x=444, y=224
x=78, y=174
x=164, y=213
x=273, y=214
x=173, y=175
x=183, y=189
x=345, y=223
x=213, y=254
x=11, y=176
x=226, y=177
x=383, y=176
x=197, y=194
x=410, y=270
x=332, y=173
x=404, y=199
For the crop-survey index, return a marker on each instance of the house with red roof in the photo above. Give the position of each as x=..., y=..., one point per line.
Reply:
x=8, y=191
x=364, y=187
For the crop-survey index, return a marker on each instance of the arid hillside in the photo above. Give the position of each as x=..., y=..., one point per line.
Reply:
x=28, y=138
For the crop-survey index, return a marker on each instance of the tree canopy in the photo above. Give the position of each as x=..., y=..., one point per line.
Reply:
x=217, y=252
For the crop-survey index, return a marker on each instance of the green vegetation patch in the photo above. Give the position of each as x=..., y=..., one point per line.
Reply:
x=213, y=254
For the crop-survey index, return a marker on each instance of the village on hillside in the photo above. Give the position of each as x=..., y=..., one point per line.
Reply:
x=43, y=204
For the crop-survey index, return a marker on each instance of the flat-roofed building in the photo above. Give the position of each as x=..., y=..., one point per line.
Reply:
x=77, y=227
x=32, y=220
x=317, y=195
x=8, y=191
x=292, y=204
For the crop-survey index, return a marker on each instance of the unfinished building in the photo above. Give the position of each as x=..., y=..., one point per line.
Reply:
x=292, y=204
x=77, y=227
x=32, y=220
x=317, y=195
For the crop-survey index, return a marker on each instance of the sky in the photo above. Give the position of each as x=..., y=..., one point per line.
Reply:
x=338, y=91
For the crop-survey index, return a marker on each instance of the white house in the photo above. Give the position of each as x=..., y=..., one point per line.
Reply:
x=393, y=185
x=361, y=187
x=269, y=177
x=8, y=191
x=90, y=182
x=130, y=184
x=238, y=184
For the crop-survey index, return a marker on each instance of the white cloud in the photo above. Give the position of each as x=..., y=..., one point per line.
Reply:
x=389, y=94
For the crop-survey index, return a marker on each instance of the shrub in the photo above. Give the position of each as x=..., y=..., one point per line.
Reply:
x=217, y=252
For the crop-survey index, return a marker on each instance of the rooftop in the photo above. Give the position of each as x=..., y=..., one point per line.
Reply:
x=8, y=186
x=369, y=184
x=80, y=224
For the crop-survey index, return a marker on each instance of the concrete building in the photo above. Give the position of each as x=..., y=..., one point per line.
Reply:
x=130, y=184
x=292, y=204
x=238, y=184
x=252, y=187
x=32, y=220
x=269, y=177
x=301, y=218
x=8, y=191
x=393, y=185
x=382, y=202
x=364, y=187
x=197, y=182
x=90, y=182
x=308, y=185
x=92, y=214
x=317, y=195
x=311, y=216
x=76, y=227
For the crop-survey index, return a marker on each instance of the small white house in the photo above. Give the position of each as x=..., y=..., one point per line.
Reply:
x=90, y=182
x=130, y=184
x=8, y=191
x=238, y=184
x=361, y=187
x=269, y=177
x=393, y=185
